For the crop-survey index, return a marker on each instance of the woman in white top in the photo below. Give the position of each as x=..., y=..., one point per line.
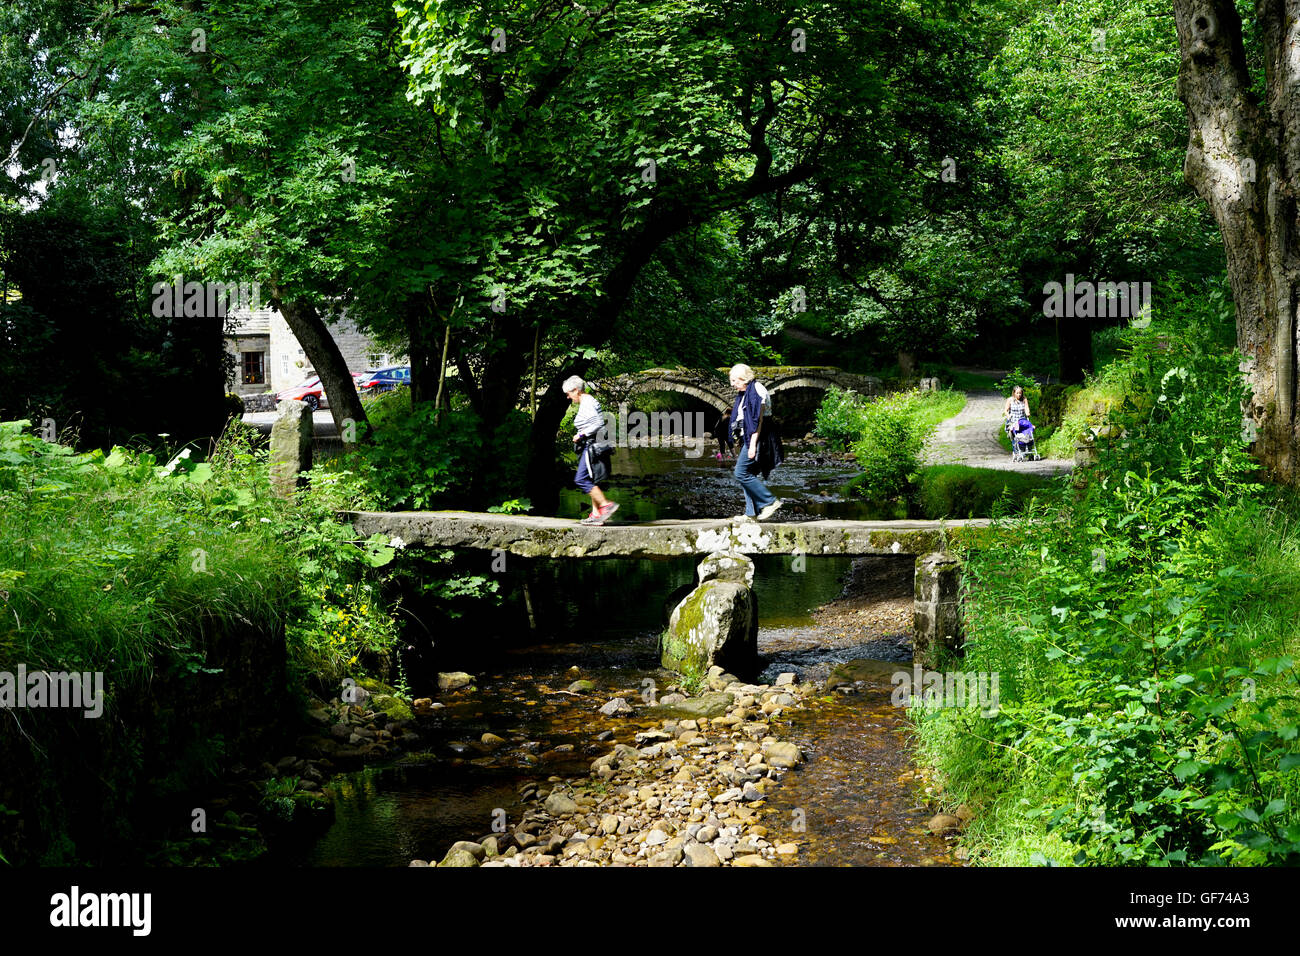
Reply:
x=586, y=423
x=1016, y=408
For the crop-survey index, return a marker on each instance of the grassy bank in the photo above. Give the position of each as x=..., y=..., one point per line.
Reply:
x=205, y=602
x=959, y=491
x=1143, y=628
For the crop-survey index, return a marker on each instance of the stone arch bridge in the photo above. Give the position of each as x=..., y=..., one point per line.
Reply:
x=712, y=387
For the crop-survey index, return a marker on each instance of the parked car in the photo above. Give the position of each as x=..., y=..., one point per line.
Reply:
x=313, y=392
x=384, y=379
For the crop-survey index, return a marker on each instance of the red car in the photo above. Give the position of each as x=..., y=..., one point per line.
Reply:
x=311, y=391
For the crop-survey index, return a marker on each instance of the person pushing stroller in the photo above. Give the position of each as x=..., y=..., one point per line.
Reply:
x=1015, y=414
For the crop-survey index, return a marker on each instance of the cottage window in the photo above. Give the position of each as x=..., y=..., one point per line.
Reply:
x=254, y=368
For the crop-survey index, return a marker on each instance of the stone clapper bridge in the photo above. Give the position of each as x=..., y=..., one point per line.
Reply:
x=725, y=577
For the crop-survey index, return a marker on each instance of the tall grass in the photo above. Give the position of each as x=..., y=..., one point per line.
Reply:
x=106, y=565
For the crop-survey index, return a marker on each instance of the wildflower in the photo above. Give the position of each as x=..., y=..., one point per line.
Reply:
x=396, y=542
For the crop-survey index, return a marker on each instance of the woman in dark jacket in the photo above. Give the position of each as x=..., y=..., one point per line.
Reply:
x=747, y=416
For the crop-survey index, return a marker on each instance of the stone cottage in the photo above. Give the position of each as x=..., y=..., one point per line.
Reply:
x=268, y=357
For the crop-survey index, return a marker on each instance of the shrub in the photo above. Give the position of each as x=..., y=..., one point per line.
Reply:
x=414, y=462
x=839, y=418
x=889, y=446
x=887, y=434
x=1018, y=376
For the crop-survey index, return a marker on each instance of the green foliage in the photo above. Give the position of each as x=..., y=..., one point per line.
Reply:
x=1144, y=642
x=959, y=491
x=1081, y=81
x=277, y=796
x=417, y=457
x=839, y=417
x=1018, y=376
x=887, y=434
x=889, y=446
x=100, y=558
x=81, y=346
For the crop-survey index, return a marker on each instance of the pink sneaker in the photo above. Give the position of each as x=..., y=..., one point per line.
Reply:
x=605, y=512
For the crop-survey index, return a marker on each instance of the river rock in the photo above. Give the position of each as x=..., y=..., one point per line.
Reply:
x=729, y=566
x=476, y=850
x=943, y=823
x=783, y=755
x=559, y=805
x=616, y=708
x=697, y=854
x=394, y=708
x=784, y=680
x=491, y=740
x=717, y=622
x=581, y=687
x=713, y=704
x=750, y=859
x=609, y=824
x=457, y=857
x=454, y=680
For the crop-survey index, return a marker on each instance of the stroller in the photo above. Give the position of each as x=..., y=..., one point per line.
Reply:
x=1021, y=433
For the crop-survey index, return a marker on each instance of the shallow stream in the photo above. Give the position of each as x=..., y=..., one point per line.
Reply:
x=853, y=801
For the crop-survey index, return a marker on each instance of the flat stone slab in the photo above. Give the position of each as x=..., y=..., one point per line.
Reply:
x=537, y=537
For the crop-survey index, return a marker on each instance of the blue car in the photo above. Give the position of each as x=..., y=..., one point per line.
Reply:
x=384, y=379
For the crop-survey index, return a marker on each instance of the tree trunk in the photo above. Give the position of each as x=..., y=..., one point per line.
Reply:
x=1074, y=349
x=323, y=353
x=1243, y=159
x=419, y=329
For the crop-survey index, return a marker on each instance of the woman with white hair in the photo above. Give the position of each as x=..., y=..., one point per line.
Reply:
x=747, y=418
x=587, y=423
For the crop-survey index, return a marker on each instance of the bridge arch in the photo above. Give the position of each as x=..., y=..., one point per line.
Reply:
x=711, y=386
x=708, y=396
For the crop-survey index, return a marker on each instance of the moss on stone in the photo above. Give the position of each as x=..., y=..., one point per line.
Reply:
x=679, y=652
x=394, y=708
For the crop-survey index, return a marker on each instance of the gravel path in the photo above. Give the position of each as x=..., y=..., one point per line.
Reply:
x=971, y=438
